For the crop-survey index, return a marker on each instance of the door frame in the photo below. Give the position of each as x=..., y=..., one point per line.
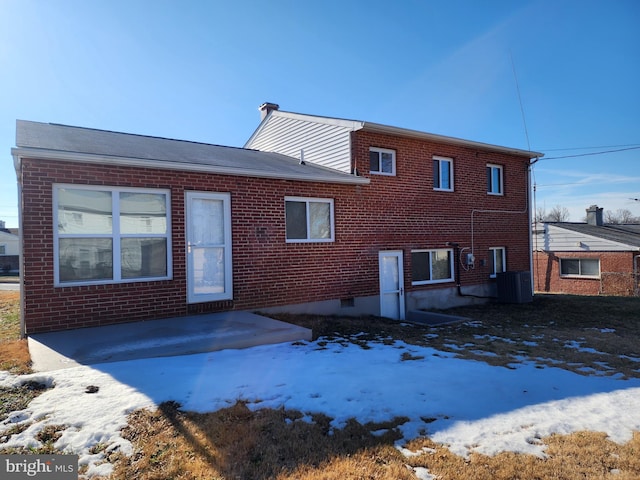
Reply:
x=227, y=294
x=399, y=256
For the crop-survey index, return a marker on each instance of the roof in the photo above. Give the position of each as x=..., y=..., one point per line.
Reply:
x=626, y=234
x=69, y=143
x=387, y=129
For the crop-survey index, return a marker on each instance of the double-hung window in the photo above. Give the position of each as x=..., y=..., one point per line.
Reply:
x=110, y=234
x=443, y=173
x=431, y=266
x=497, y=261
x=495, y=180
x=309, y=219
x=382, y=161
x=581, y=267
x=3, y=249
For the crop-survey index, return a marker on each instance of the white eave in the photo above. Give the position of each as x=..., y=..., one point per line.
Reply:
x=355, y=125
x=37, y=153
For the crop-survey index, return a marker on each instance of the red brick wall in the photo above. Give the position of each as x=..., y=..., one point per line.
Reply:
x=616, y=274
x=401, y=212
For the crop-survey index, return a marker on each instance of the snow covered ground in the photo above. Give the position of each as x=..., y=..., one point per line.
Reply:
x=476, y=406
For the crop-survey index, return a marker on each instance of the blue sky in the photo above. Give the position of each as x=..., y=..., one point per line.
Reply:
x=198, y=70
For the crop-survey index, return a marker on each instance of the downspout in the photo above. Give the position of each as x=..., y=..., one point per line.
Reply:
x=17, y=164
x=636, y=274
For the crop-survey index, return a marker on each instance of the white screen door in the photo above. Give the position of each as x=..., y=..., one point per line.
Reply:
x=209, y=274
x=391, y=284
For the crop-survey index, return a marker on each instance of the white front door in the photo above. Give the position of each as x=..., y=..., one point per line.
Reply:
x=391, y=284
x=208, y=223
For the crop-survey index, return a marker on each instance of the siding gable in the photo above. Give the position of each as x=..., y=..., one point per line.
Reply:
x=327, y=144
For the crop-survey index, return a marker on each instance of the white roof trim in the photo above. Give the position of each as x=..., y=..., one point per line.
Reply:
x=19, y=153
x=386, y=129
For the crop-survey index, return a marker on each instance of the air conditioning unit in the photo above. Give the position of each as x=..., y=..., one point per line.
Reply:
x=514, y=287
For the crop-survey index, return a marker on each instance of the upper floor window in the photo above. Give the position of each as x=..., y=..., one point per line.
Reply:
x=431, y=266
x=113, y=241
x=382, y=161
x=443, y=173
x=495, y=182
x=582, y=267
x=309, y=219
x=497, y=261
x=3, y=249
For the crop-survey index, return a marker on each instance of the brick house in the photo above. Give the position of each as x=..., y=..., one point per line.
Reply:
x=119, y=227
x=590, y=258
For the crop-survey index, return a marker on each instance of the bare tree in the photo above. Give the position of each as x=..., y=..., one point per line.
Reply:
x=558, y=214
x=621, y=216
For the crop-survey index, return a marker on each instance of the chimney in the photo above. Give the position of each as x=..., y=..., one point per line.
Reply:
x=266, y=108
x=594, y=216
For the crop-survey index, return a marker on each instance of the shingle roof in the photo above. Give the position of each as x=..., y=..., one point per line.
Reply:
x=627, y=234
x=47, y=139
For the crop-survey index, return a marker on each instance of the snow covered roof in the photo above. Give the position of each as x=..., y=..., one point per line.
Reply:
x=69, y=143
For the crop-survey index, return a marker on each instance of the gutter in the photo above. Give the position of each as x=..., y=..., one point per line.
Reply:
x=35, y=153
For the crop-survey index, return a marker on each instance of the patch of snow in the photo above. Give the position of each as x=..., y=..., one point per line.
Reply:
x=490, y=408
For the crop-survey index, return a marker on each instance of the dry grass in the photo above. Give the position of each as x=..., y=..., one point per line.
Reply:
x=14, y=351
x=238, y=443
x=586, y=335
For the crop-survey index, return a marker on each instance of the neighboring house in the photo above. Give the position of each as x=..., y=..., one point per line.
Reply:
x=119, y=227
x=589, y=258
x=9, y=250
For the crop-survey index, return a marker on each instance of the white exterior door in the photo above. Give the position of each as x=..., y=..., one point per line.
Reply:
x=391, y=284
x=208, y=224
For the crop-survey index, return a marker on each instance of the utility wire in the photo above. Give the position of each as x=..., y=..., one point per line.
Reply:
x=589, y=154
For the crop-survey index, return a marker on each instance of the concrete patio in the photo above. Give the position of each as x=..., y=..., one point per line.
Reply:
x=159, y=338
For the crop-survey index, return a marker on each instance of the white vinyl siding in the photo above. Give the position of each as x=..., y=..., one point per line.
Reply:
x=110, y=234
x=323, y=144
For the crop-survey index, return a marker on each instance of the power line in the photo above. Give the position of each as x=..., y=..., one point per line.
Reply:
x=589, y=148
x=590, y=154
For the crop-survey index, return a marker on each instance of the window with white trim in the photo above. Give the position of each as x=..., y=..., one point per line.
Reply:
x=110, y=234
x=382, y=161
x=431, y=266
x=3, y=249
x=495, y=181
x=580, y=267
x=497, y=260
x=308, y=219
x=443, y=173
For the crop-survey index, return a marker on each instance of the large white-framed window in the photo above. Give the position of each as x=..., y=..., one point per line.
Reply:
x=497, y=261
x=382, y=161
x=443, y=173
x=431, y=266
x=309, y=219
x=108, y=234
x=495, y=179
x=580, y=267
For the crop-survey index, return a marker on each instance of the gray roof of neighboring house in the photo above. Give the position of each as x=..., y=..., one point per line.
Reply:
x=63, y=142
x=627, y=234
